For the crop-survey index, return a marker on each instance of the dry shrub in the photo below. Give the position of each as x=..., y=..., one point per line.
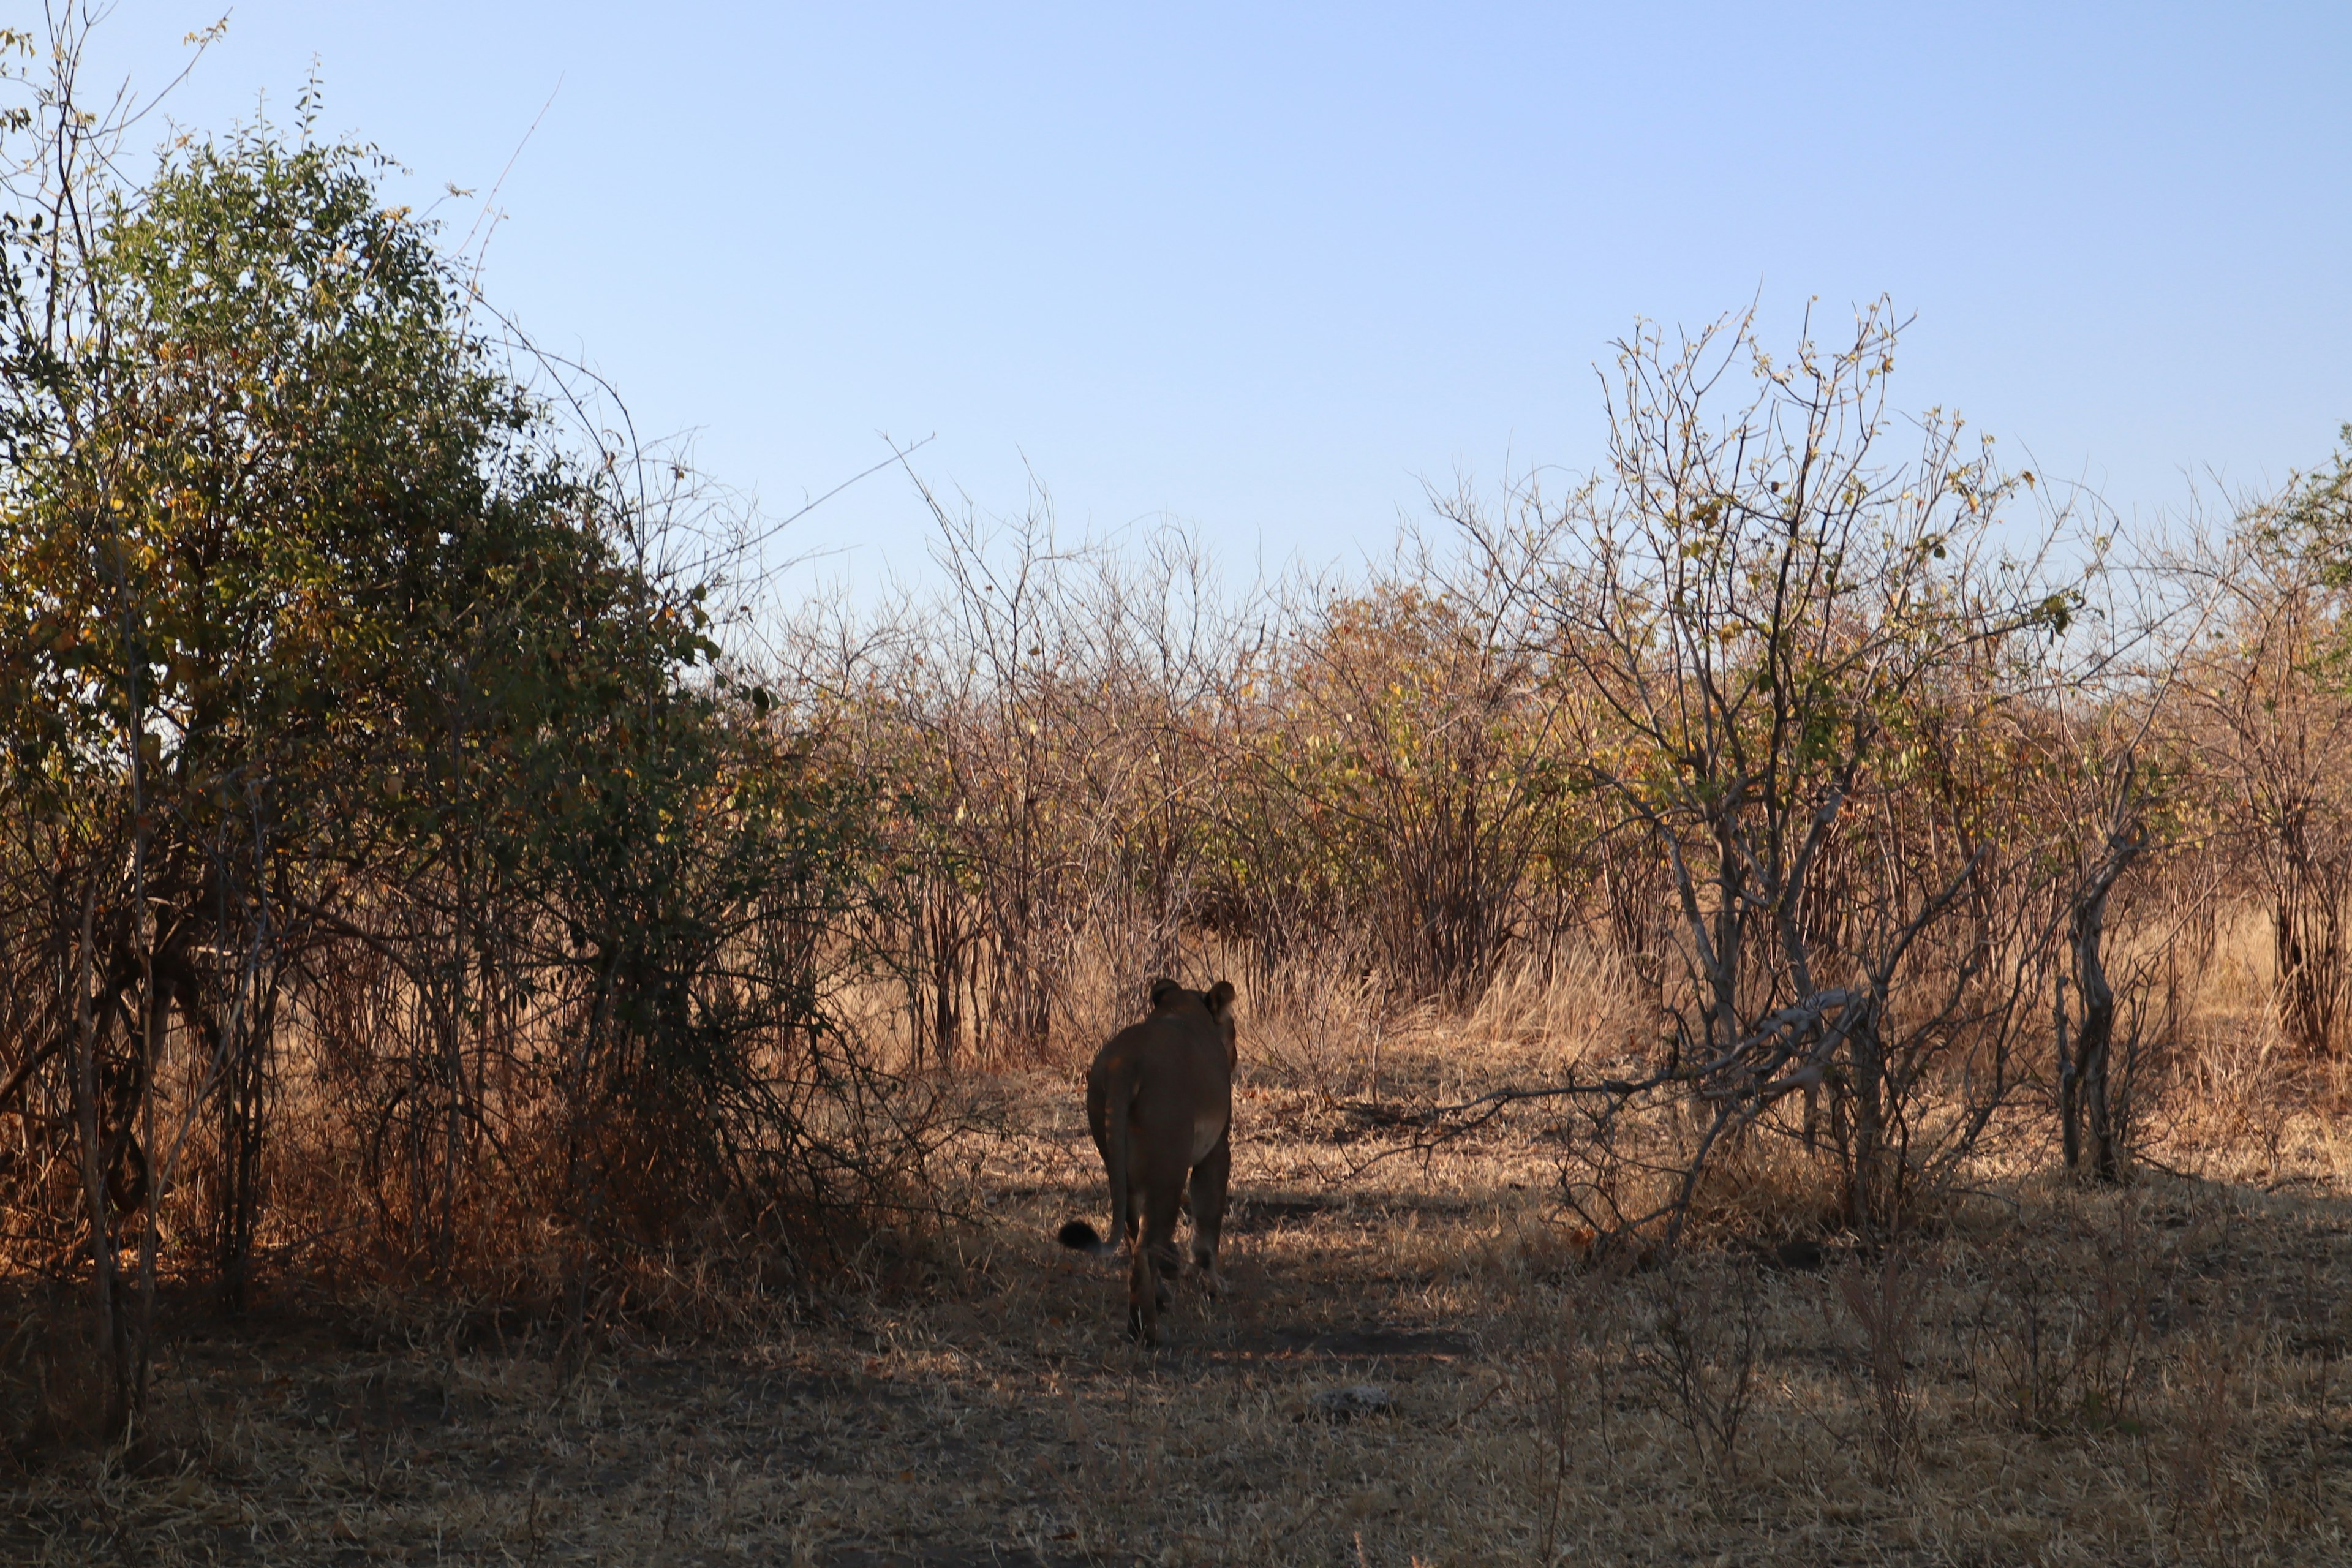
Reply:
x=48, y=1376
x=1695, y=1342
x=2239, y=1086
x=1586, y=1002
x=1769, y=1187
x=832, y=1167
x=2205, y=1459
x=1631, y=1175
x=1885, y=1301
x=1574, y=1353
x=1319, y=1025
x=2060, y=1334
x=2222, y=1078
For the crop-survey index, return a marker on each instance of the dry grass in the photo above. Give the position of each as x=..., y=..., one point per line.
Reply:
x=2049, y=1375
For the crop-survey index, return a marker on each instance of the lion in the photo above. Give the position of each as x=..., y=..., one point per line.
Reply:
x=1160, y=1102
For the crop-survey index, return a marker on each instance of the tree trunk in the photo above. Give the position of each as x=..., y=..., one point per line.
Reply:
x=2070, y=1105
x=1869, y=1199
x=2096, y=1038
x=105, y=1317
x=2095, y=1042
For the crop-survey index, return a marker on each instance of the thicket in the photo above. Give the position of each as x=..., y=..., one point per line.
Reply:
x=388, y=875
x=1905, y=789
x=401, y=877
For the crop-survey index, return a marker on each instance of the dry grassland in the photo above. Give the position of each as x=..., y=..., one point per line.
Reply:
x=2047, y=1375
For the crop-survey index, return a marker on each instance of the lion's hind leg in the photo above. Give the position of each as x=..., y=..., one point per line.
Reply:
x=1149, y=1288
x=1210, y=1179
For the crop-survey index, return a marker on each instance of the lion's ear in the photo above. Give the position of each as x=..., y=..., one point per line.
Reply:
x=1221, y=998
x=1162, y=990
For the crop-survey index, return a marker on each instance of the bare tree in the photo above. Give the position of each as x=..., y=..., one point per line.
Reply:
x=1781, y=651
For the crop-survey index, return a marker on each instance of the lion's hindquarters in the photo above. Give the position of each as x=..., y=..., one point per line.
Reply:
x=1111, y=1087
x=1209, y=1123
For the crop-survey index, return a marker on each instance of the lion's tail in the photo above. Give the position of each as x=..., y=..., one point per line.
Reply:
x=1080, y=1236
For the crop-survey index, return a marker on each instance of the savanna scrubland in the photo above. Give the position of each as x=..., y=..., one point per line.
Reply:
x=1794, y=990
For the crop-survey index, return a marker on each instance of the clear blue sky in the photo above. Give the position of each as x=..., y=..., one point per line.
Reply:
x=1265, y=268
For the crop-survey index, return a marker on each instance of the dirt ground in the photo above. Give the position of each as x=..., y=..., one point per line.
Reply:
x=1416, y=1364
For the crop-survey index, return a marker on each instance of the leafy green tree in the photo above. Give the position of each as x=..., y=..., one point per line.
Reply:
x=342, y=710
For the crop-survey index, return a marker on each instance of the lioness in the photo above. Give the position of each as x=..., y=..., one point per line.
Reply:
x=1160, y=1102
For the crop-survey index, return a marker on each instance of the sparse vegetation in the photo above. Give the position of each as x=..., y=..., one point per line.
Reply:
x=1793, y=998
